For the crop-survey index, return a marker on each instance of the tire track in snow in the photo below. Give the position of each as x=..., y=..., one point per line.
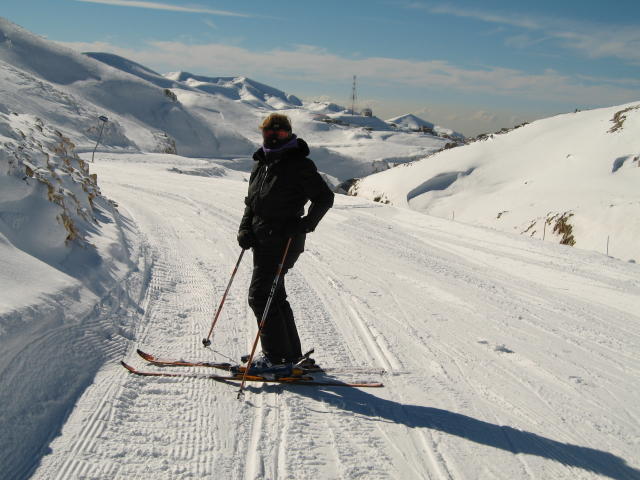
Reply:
x=255, y=468
x=375, y=346
x=374, y=343
x=176, y=323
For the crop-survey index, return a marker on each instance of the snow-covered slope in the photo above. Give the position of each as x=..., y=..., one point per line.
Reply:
x=239, y=88
x=506, y=358
x=41, y=75
x=572, y=178
x=50, y=205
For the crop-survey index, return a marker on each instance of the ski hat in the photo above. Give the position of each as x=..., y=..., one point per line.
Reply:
x=276, y=130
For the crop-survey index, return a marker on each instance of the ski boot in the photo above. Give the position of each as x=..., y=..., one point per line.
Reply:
x=307, y=364
x=261, y=366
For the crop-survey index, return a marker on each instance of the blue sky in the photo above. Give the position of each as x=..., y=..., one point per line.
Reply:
x=470, y=65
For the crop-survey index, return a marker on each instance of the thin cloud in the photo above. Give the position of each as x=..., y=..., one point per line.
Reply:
x=521, y=21
x=307, y=63
x=593, y=40
x=524, y=40
x=210, y=24
x=165, y=6
x=619, y=42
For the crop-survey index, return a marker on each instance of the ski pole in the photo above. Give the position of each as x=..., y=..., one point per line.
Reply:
x=206, y=341
x=264, y=318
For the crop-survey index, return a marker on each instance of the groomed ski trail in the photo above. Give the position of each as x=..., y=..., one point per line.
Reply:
x=507, y=358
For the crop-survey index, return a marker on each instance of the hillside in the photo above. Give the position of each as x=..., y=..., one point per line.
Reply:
x=571, y=179
x=70, y=90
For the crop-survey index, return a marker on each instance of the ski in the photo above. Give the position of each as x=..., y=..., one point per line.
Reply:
x=252, y=378
x=182, y=363
x=186, y=363
x=164, y=362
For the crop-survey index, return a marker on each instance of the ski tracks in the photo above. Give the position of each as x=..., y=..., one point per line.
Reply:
x=351, y=317
x=451, y=321
x=126, y=427
x=370, y=292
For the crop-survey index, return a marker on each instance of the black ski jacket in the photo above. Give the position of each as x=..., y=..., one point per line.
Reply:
x=280, y=185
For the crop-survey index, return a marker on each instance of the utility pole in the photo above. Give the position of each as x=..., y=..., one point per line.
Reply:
x=354, y=96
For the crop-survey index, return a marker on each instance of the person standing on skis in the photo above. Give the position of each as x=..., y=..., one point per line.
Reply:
x=282, y=181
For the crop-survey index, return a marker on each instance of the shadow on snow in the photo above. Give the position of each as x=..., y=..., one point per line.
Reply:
x=497, y=436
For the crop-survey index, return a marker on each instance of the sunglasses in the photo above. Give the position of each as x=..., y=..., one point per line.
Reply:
x=281, y=134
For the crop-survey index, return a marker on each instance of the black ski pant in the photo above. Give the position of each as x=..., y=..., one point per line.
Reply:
x=279, y=336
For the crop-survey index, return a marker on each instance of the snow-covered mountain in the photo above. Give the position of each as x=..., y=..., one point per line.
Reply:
x=70, y=90
x=239, y=88
x=572, y=178
x=195, y=115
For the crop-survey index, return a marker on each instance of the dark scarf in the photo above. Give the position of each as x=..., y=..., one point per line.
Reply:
x=274, y=154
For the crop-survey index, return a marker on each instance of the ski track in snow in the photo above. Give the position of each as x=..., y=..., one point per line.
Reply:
x=505, y=358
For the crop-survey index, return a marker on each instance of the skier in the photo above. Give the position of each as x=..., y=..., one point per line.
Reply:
x=283, y=180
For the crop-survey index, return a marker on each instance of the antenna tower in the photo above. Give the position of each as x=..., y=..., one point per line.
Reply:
x=354, y=96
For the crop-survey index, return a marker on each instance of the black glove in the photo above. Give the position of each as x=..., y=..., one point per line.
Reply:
x=246, y=239
x=295, y=226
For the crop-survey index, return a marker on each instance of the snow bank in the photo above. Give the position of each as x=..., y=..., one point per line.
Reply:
x=48, y=199
x=62, y=250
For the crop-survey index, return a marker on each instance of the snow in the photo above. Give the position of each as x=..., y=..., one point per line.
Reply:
x=574, y=164
x=198, y=116
x=62, y=253
x=502, y=356
x=506, y=357
x=412, y=122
